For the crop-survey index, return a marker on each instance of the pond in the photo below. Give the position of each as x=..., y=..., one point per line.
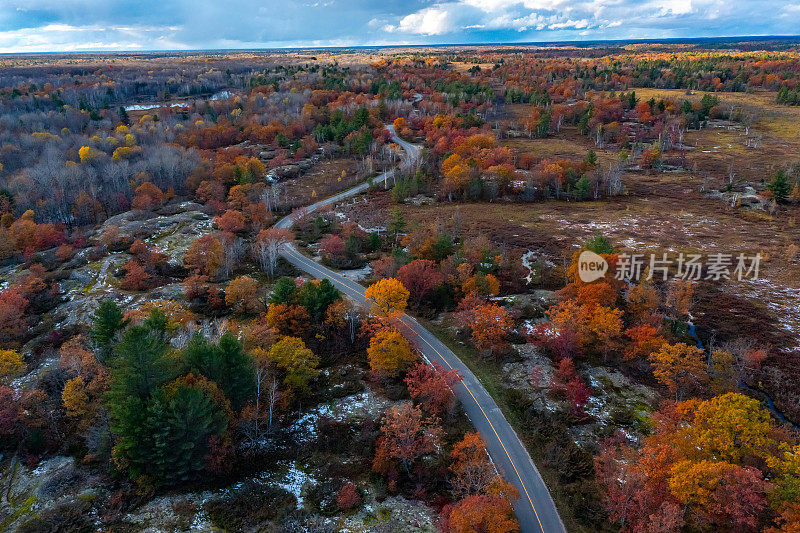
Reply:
x=221, y=95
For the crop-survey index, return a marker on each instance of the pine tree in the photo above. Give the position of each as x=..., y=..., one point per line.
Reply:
x=780, y=187
x=107, y=321
x=316, y=296
x=396, y=225
x=140, y=366
x=180, y=421
x=225, y=364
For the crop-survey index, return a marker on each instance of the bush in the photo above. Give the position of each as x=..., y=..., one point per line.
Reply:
x=348, y=497
x=73, y=517
x=251, y=507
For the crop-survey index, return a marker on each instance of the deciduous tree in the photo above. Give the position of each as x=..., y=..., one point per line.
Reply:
x=406, y=435
x=471, y=466
x=136, y=278
x=147, y=196
x=389, y=352
x=205, y=255
x=431, y=385
x=490, y=325
x=267, y=246
x=298, y=362
x=13, y=309
x=241, y=295
x=481, y=513
x=679, y=366
x=420, y=277
x=288, y=319
x=388, y=296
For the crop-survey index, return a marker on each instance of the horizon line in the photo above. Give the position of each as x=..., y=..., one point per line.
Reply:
x=574, y=42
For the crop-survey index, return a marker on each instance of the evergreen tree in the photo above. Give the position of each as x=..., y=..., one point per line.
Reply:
x=107, y=321
x=283, y=291
x=317, y=296
x=780, y=187
x=632, y=100
x=139, y=367
x=599, y=245
x=397, y=224
x=583, y=188
x=181, y=419
x=225, y=364
x=123, y=116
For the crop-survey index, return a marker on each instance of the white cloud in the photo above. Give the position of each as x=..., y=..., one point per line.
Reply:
x=68, y=38
x=674, y=7
x=429, y=21
x=72, y=25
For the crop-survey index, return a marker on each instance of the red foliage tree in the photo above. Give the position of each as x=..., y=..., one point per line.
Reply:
x=13, y=323
x=136, y=279
x=431, y=385
x=333, y=249
x=406, y=435
x=9, y=412
x=348, y=497
x=420, y=277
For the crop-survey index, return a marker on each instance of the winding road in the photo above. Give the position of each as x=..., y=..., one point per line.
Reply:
x=535, y=509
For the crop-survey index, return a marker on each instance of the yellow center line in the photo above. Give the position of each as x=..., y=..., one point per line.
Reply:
x=495, y=433
x=308, y=262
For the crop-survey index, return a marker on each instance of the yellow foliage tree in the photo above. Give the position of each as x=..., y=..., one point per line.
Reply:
x=679, y=365
x=76, y=401
x=88, y=153
x=298, y=362
x=390, y=353
x=388, y=295
x=11, y=364
x=730, y=427
x=695, y=482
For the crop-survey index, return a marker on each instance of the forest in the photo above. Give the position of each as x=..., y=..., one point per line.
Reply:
x=165, y=366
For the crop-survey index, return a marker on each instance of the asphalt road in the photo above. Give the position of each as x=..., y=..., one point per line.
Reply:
x=535, y=509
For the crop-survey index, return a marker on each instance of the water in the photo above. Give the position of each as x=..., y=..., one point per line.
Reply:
x=767, y=399
x=221, y=95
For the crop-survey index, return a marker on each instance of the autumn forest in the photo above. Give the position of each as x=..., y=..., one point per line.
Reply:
x=345, y=289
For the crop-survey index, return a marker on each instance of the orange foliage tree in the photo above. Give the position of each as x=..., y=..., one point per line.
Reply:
x=288, y=319
x=472, y=470
x=232, y=221
x=136, y=279
x=205, y=255
x=147, y=196
x=406, y=435
x=489, y=324
x=482, y=513
x=241, y=295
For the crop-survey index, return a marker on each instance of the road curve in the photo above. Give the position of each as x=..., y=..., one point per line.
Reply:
x=535, y=509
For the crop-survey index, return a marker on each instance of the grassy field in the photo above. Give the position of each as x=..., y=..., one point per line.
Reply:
x=326, y=178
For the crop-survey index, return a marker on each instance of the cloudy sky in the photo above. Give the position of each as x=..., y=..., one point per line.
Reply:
x=73, y=25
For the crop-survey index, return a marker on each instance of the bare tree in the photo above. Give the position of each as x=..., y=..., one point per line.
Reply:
x=267, y=247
